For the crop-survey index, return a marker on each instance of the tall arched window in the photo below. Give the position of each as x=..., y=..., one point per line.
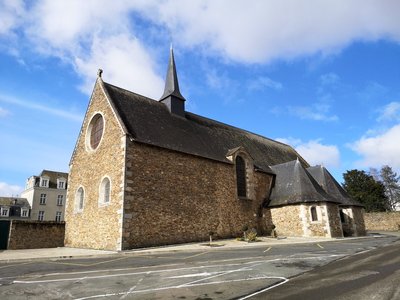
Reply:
x=105, y=188
x=79, y=199
x=241, y=177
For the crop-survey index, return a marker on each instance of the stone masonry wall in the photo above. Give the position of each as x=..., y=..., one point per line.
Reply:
x=172, y=198
x=358, y=218
x=287, y=220
x=334, y=220
x=26, y=234
x=295, y=220
x=389, y=221
x=97, y=226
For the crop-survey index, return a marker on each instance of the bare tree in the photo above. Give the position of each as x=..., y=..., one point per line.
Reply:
x=390, y=180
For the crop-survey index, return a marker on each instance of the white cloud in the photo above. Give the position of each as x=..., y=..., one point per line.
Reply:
x=266, y=30
x=381, y=149
x=8, y=190
x=35, y=106
x=85, y=33
x=125, y=63
x=11, y=12
x=263, y=82
x=317, y=112
x=329, y=78
x=3, y=112
x=314, y=152
x=390, y=112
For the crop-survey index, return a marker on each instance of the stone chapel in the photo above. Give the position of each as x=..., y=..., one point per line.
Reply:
x=147, y=172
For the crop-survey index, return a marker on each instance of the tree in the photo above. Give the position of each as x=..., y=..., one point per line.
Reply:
x=392, y=187
x=365, y=189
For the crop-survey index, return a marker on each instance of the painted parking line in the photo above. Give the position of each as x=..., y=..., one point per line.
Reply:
x=269, y=248
x=195, y=255
x=14, y=265
x=320, y=246
x=86, y=265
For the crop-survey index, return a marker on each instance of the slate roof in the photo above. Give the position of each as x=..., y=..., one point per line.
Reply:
x=53, y=176
x=294, y=185
x=149, y=121
x=331, y=186
x=14, y=201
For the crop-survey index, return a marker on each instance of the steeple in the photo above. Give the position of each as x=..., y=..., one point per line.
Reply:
x=172, y=97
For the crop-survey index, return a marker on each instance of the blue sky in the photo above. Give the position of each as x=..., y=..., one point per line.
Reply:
x=323, y=76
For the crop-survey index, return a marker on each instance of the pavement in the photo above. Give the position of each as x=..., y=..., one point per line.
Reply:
x=70, y=253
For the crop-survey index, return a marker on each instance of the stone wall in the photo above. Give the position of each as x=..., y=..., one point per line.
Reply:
x=335, y=226
x=389, y=221
x=359, y=222
x=34, y=234
x=287, y=220
x=97, y=226
x=295, y=220
x=172, y=197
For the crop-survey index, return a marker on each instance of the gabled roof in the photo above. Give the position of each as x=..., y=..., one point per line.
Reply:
x=149, y=121
x=53, y=176
x=331, y=186
x=294, y=185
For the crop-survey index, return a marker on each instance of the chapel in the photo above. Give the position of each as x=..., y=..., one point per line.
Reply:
x=147, y=172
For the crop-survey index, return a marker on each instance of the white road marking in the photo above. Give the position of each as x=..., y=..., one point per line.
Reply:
x=266, y=289
x=179, y=286
x=193, y=275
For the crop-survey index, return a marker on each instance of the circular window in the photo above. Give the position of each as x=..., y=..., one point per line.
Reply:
x=96, y=127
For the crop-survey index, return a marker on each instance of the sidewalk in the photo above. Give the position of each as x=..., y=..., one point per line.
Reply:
x=68, y=253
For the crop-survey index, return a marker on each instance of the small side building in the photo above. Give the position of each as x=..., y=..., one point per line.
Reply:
x=12, y=208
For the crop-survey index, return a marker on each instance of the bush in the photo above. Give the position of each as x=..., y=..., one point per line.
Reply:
x=252, y=237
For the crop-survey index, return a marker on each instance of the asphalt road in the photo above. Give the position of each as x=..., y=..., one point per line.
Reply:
x=248, y=273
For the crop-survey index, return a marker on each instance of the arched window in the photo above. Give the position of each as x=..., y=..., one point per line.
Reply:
x=105, y=188
x=314, y=215
x=241, y=177
x=79, y=199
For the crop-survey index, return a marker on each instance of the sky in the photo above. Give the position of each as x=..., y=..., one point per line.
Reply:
x=322, y=76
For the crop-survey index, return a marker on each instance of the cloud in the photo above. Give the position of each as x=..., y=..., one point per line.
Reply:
x=3, y=112
x=11, y=12
x=314, y=152
x=317, y=112
x=390, y=112
x=8, y=190
x=329, y=79
x=271, y=30
x=263, y=82
x=381, y=149
x=35, y=106
x=89, y=34
x=125, y=62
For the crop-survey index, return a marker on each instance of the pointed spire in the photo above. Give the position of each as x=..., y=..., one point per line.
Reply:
x=171, y=81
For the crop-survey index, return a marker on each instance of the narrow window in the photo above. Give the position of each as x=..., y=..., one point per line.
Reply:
x=314, y=215
x=105, y=191
x=241, y=177
x=4, y=212
x=60, y=200
x=342, y=216
x=24, y=213
x=44, y=182
x=58, y=216
x=61, y=184
x=96, y=131
x=41, y=215
x=42, y=199
x=79, y=199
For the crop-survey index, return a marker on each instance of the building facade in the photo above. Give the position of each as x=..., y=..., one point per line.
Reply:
x=46, y=195
x=147, y=172
x=12, y=208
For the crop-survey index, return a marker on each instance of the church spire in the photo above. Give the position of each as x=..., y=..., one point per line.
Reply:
x=172, y=96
